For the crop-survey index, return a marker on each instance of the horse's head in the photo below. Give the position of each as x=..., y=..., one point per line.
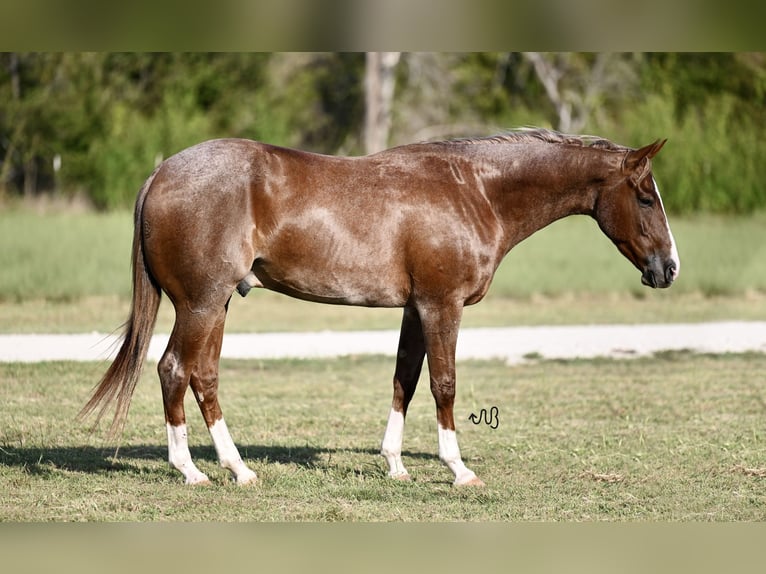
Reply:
x=631, y=214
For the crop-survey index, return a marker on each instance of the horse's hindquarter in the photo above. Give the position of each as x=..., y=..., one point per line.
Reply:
x=370, y=230
x=196, y=220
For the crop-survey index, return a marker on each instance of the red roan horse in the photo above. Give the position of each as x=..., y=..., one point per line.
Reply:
x=420, y=226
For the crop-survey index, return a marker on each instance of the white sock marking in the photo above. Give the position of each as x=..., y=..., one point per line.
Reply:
x=449, y=453
x=228, y=455
x=391, y=448
x=179, y=456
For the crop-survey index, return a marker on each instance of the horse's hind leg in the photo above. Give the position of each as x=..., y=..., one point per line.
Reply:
x=175, y=369
x=204, y=383
x=409, y=362
x=192, y=358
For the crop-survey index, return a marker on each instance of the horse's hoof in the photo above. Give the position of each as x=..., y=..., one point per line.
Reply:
x=475, y=481
x=402, y=477
x=200, y=482
x=250, y=481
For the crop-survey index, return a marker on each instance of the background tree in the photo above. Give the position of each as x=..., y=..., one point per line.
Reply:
x=379, y=83
x=105, y=119
x=579, y=84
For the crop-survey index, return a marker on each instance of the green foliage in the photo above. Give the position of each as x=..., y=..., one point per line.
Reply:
x=712, y=161
x=710, y=107
x=312, y=101
x=112, y=117
x=107, y=118
x=133, y=144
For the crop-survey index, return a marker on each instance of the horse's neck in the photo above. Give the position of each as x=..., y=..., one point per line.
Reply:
x=544, y=183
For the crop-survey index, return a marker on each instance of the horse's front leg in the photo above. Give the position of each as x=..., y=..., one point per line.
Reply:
x=409, y=362
x=440, y=327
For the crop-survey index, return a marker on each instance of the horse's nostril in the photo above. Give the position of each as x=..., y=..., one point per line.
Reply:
x=670, y=272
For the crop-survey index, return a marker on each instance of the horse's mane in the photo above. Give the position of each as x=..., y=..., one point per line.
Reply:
x=537, y=134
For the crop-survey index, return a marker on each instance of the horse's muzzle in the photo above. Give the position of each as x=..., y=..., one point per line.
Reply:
x=655, y=277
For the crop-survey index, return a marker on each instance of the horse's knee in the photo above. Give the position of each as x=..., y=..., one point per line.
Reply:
x=443, y=391
x=205, y=388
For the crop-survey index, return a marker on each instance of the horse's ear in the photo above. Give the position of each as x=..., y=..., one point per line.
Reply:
x=656, y=147
x=636, y=161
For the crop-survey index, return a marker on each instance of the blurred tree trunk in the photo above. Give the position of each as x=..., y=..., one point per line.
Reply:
x=577, y=85
x=13, y=69
x=379, y=83
x=6, y=161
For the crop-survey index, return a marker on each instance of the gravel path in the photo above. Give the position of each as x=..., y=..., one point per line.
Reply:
x=512, y=344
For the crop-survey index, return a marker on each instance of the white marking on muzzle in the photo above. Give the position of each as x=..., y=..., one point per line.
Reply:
x=673, y=249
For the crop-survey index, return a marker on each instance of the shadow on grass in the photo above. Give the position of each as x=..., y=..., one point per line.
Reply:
x=43, y=461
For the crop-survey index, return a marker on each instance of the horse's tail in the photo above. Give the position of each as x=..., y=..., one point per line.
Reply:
x=119, y=381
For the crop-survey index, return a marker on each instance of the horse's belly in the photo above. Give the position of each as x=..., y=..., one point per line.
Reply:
x=364, y=286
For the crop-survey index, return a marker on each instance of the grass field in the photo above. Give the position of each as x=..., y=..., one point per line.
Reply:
x=675, y=437
x=69, y=271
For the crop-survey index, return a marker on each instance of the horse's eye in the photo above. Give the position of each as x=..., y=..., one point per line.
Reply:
x=645, y=201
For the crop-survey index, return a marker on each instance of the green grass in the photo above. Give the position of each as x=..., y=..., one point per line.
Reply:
x=676, y=437
x=69, y=271
x=64, y=255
